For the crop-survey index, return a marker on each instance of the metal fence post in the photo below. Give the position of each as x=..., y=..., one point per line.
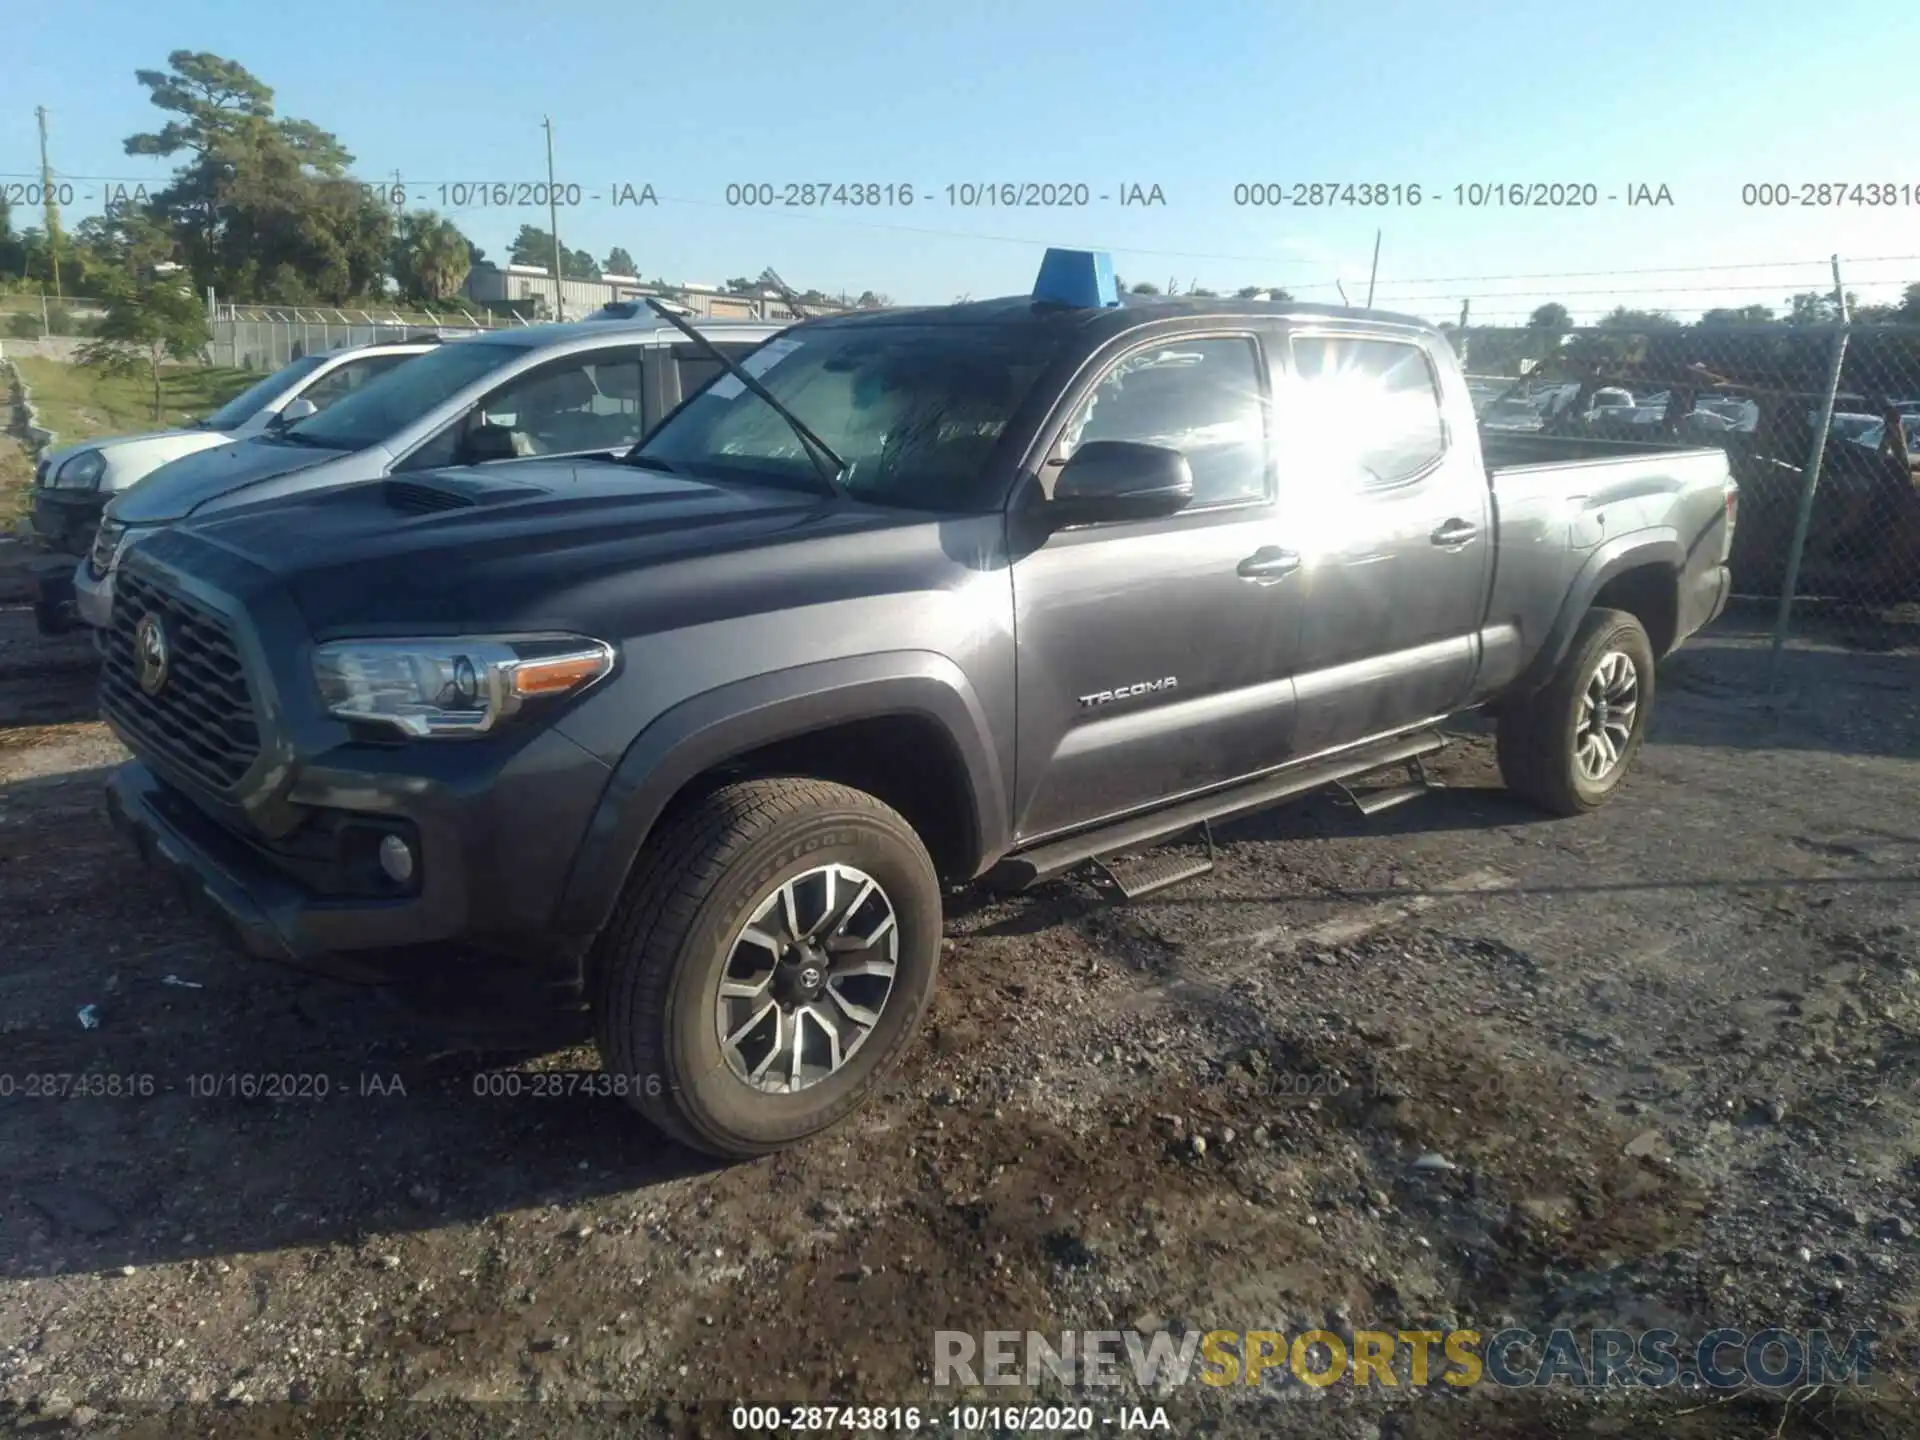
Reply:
x=1810, y=479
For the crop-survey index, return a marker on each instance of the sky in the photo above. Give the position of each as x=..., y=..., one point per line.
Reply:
x=1194, y=99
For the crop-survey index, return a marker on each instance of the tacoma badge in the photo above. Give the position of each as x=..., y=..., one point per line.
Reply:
x=1126, y=692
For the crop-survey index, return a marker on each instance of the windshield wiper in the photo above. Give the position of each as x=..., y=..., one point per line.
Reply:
x=816, y=448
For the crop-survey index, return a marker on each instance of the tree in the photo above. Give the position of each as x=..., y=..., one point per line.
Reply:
x=1145, y=287
x=126, y=240
x=13, y=255
x=870, y=301
x=1623, y=318
x=740, y=285
x=1811, y=308
x=1738, y=315
x=1552, y=317
x=1203, y=292
x=534, y=246
x=431, y=257
x=144, y=326
x=262, y=204
x=619, y=262
x=1272, y=292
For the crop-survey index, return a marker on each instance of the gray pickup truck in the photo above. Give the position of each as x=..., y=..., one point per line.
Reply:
x=987, y=591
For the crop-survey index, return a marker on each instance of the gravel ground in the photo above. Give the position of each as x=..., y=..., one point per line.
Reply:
x=1454, y=1065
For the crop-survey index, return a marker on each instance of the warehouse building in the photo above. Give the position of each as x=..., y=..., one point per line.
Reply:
x=528, y=291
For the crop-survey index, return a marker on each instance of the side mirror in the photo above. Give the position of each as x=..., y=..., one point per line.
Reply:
x=1120, y=480
x=295, y=410
x=487, y=442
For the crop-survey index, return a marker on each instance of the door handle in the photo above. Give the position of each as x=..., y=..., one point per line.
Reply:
x=1268, y=565
x=1455, y=533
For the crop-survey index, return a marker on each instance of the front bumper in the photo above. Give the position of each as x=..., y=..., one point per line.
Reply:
x=65, y=520
x=491, y=854
x=93, y=599
x=53, y=600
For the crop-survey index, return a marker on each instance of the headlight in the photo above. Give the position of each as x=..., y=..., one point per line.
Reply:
x=80, y=472
x=462, y=686
x=106, y=548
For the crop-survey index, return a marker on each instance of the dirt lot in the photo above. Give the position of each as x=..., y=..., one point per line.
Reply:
x=1452, y=1066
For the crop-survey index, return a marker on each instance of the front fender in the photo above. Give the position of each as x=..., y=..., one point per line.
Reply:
x=712, y=727
x=1658, y=546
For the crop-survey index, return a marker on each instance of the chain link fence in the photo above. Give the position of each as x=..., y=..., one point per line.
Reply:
x=1820, y=423
x=266, y=337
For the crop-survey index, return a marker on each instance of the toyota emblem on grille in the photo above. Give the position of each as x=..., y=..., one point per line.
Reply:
x=152, y=654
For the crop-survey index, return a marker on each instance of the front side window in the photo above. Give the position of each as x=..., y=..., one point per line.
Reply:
x=1364, y=409
x=584, y=403
x=257, y=396
x=387, y=404
x=1203, y=398
x=343, y=380
x=915, y=411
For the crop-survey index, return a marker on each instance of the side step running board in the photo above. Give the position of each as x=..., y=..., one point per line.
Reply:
x=1016, y=872
x=1149, y=873
x=1372, y=802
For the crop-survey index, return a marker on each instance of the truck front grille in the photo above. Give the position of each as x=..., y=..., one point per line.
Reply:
x=201, y=719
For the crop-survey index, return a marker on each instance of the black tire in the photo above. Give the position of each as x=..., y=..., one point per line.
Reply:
x=1539, y=735
x=660, y=962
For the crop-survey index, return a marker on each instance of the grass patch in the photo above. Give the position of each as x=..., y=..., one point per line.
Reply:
x=16, y=479
x=77, y=403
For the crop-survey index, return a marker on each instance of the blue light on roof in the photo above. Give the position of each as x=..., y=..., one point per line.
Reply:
x=1080, y=278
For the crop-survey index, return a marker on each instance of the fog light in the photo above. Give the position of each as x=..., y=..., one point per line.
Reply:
x=396, y=858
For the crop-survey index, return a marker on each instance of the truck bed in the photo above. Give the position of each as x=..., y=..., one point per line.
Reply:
x=1519, y=450
x=1560, y=503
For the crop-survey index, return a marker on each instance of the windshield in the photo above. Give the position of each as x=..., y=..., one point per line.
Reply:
x=257, y=396
x=389, y=403
x=915, y=411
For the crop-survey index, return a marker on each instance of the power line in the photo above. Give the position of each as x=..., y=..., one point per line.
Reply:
x=1269, y=261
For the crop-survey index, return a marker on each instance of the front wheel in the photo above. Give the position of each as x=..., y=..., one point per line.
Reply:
x=1567, y=747
x=770, y=960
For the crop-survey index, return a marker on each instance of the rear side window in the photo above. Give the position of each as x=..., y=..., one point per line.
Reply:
x=695, y=368
x=1365, y=408
x=1203, y=398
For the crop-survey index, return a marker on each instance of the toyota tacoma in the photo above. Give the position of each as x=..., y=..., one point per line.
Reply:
x=984, y=592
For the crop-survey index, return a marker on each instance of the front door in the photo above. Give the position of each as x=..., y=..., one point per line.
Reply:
x=1155, y=655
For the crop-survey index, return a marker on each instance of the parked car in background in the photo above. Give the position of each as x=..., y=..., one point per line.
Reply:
x=1871, y=435
x=1852, y=425
x=73, y=483
x=565, y=389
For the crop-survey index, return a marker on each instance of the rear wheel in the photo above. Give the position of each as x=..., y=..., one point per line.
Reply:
x=1567, y=747
x=770, y=960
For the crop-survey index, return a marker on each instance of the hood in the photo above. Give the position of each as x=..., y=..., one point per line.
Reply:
x=176, y=489
x=114, y=442
x=527, y=544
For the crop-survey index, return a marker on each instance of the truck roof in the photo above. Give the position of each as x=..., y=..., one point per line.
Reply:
x=1134, y=311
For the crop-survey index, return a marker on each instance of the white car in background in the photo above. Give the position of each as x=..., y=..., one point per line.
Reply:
x=73, y=483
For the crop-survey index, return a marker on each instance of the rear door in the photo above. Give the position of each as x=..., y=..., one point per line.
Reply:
x=1154, y=656
x=1393, y=521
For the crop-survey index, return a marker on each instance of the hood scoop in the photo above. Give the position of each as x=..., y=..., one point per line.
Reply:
x=414, y=497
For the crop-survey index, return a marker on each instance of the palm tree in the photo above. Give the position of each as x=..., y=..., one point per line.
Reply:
x=434, y=257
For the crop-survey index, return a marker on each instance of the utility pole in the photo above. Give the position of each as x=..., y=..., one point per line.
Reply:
x=46, y=196
x=553, y=219
x=1375, y=270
